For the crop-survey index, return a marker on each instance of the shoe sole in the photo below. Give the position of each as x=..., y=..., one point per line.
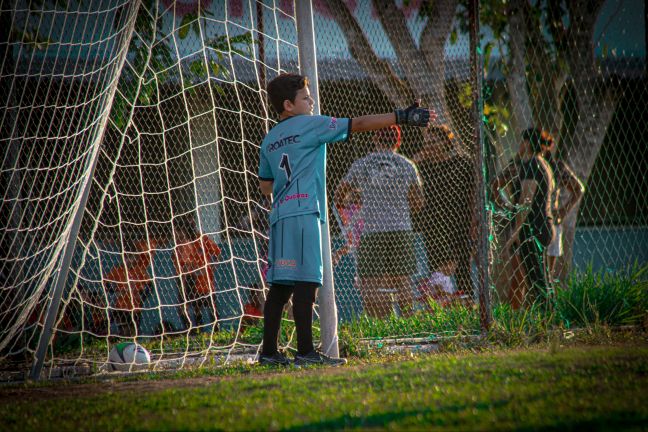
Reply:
x=274, y=363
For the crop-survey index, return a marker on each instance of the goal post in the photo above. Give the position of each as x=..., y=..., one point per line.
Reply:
x=60, y=280
x=308, y=66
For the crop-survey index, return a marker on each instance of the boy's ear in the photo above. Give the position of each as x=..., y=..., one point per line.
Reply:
x=288, y=105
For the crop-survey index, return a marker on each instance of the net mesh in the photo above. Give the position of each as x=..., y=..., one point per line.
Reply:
x=59, y=70
x=173, y=247
x=173, y=242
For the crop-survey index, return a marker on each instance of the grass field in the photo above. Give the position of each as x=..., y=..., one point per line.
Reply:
x=603, y=387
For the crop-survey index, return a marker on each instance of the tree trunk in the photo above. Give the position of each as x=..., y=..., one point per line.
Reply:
x=516, y=80
x=596, y=102
x=432, y=46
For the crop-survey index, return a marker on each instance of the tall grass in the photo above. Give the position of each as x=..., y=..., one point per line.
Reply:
x=604, y=298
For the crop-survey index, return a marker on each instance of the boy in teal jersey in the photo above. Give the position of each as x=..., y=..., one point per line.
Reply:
x=292, y=170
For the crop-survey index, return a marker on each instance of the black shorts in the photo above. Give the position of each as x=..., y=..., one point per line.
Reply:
x=387, y=254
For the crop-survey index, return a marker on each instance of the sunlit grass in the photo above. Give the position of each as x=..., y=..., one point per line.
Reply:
x=572, y=388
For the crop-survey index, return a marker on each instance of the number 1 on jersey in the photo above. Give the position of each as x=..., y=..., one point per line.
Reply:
x=284, y=164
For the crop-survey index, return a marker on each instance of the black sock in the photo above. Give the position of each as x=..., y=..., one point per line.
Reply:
x=303, y=300
x=277, y=298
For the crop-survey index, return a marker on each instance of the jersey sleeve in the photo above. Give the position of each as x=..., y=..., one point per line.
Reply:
x=332, y=129
x=265, y=173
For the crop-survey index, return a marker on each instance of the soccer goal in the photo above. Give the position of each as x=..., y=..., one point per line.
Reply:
x=131, y=211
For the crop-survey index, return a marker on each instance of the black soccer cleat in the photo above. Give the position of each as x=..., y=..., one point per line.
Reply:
x=276, y=359
x=317, y=358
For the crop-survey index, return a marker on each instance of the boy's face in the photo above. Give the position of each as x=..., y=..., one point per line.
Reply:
x=303, y=104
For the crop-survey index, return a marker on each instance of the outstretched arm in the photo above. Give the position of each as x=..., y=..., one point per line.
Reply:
x=372, y=122
x=576, y=190
x=413, y=115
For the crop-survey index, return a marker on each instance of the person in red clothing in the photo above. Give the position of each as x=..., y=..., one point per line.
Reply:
x=194, y=258
x=129, y=282
x=253, y=309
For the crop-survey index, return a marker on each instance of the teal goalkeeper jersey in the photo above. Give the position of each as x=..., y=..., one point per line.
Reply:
x=293, y=156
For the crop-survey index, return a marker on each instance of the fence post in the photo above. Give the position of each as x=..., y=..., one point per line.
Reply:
x=308, y=66
x=68, y=252
x=481, y=257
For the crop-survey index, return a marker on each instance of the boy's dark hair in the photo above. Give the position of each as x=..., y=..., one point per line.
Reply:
x=534, y=136
x=285, y=87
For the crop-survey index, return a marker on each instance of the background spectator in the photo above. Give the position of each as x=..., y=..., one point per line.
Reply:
x=388, y=188
x=129, y=283
x=194, y=258
x=448, y=223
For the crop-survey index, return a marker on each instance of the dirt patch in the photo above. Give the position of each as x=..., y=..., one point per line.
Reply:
x=68, y=389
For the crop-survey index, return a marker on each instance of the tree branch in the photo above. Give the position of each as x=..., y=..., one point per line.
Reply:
x=432, y=46
x=395, y=25
x=379, y=71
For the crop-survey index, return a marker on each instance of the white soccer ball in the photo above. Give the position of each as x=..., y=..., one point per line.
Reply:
x=129, y=356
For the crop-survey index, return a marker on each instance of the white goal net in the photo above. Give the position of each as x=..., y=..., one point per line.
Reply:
x=170, y=252
x=60, y=66
x=167, y=99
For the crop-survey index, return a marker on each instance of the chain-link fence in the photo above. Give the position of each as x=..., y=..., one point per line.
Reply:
x=566, y=153
x=405, y=201
x=172, y=247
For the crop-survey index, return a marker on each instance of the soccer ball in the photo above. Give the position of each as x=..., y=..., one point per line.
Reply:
x=128, y=356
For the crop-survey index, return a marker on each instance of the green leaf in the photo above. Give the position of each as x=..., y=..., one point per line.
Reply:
x=185, y=25
x=219, y=90
x=215, y=67
x=488, y=50
x=198, y=68
x=453, y=36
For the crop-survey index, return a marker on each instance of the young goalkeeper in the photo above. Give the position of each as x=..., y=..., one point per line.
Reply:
x=292, y=171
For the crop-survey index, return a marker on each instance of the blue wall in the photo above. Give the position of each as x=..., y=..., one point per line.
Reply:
x=605, y=248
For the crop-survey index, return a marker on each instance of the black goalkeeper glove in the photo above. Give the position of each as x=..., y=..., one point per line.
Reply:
x=413, y=115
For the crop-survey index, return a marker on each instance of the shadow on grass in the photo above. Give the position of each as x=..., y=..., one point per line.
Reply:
x=426, y=418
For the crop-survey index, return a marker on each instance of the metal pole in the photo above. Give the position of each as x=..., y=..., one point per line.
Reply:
x=308, y=66
x=480, y=169
x=68, y=252
x=261, y=39
x=646, y=38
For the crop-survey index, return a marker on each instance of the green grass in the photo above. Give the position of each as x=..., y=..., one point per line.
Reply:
x=574, y=387
x=604, y=297
x=589, y=299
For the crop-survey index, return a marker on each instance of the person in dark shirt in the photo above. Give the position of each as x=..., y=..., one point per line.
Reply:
x=533, y=227
x=448, y=220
